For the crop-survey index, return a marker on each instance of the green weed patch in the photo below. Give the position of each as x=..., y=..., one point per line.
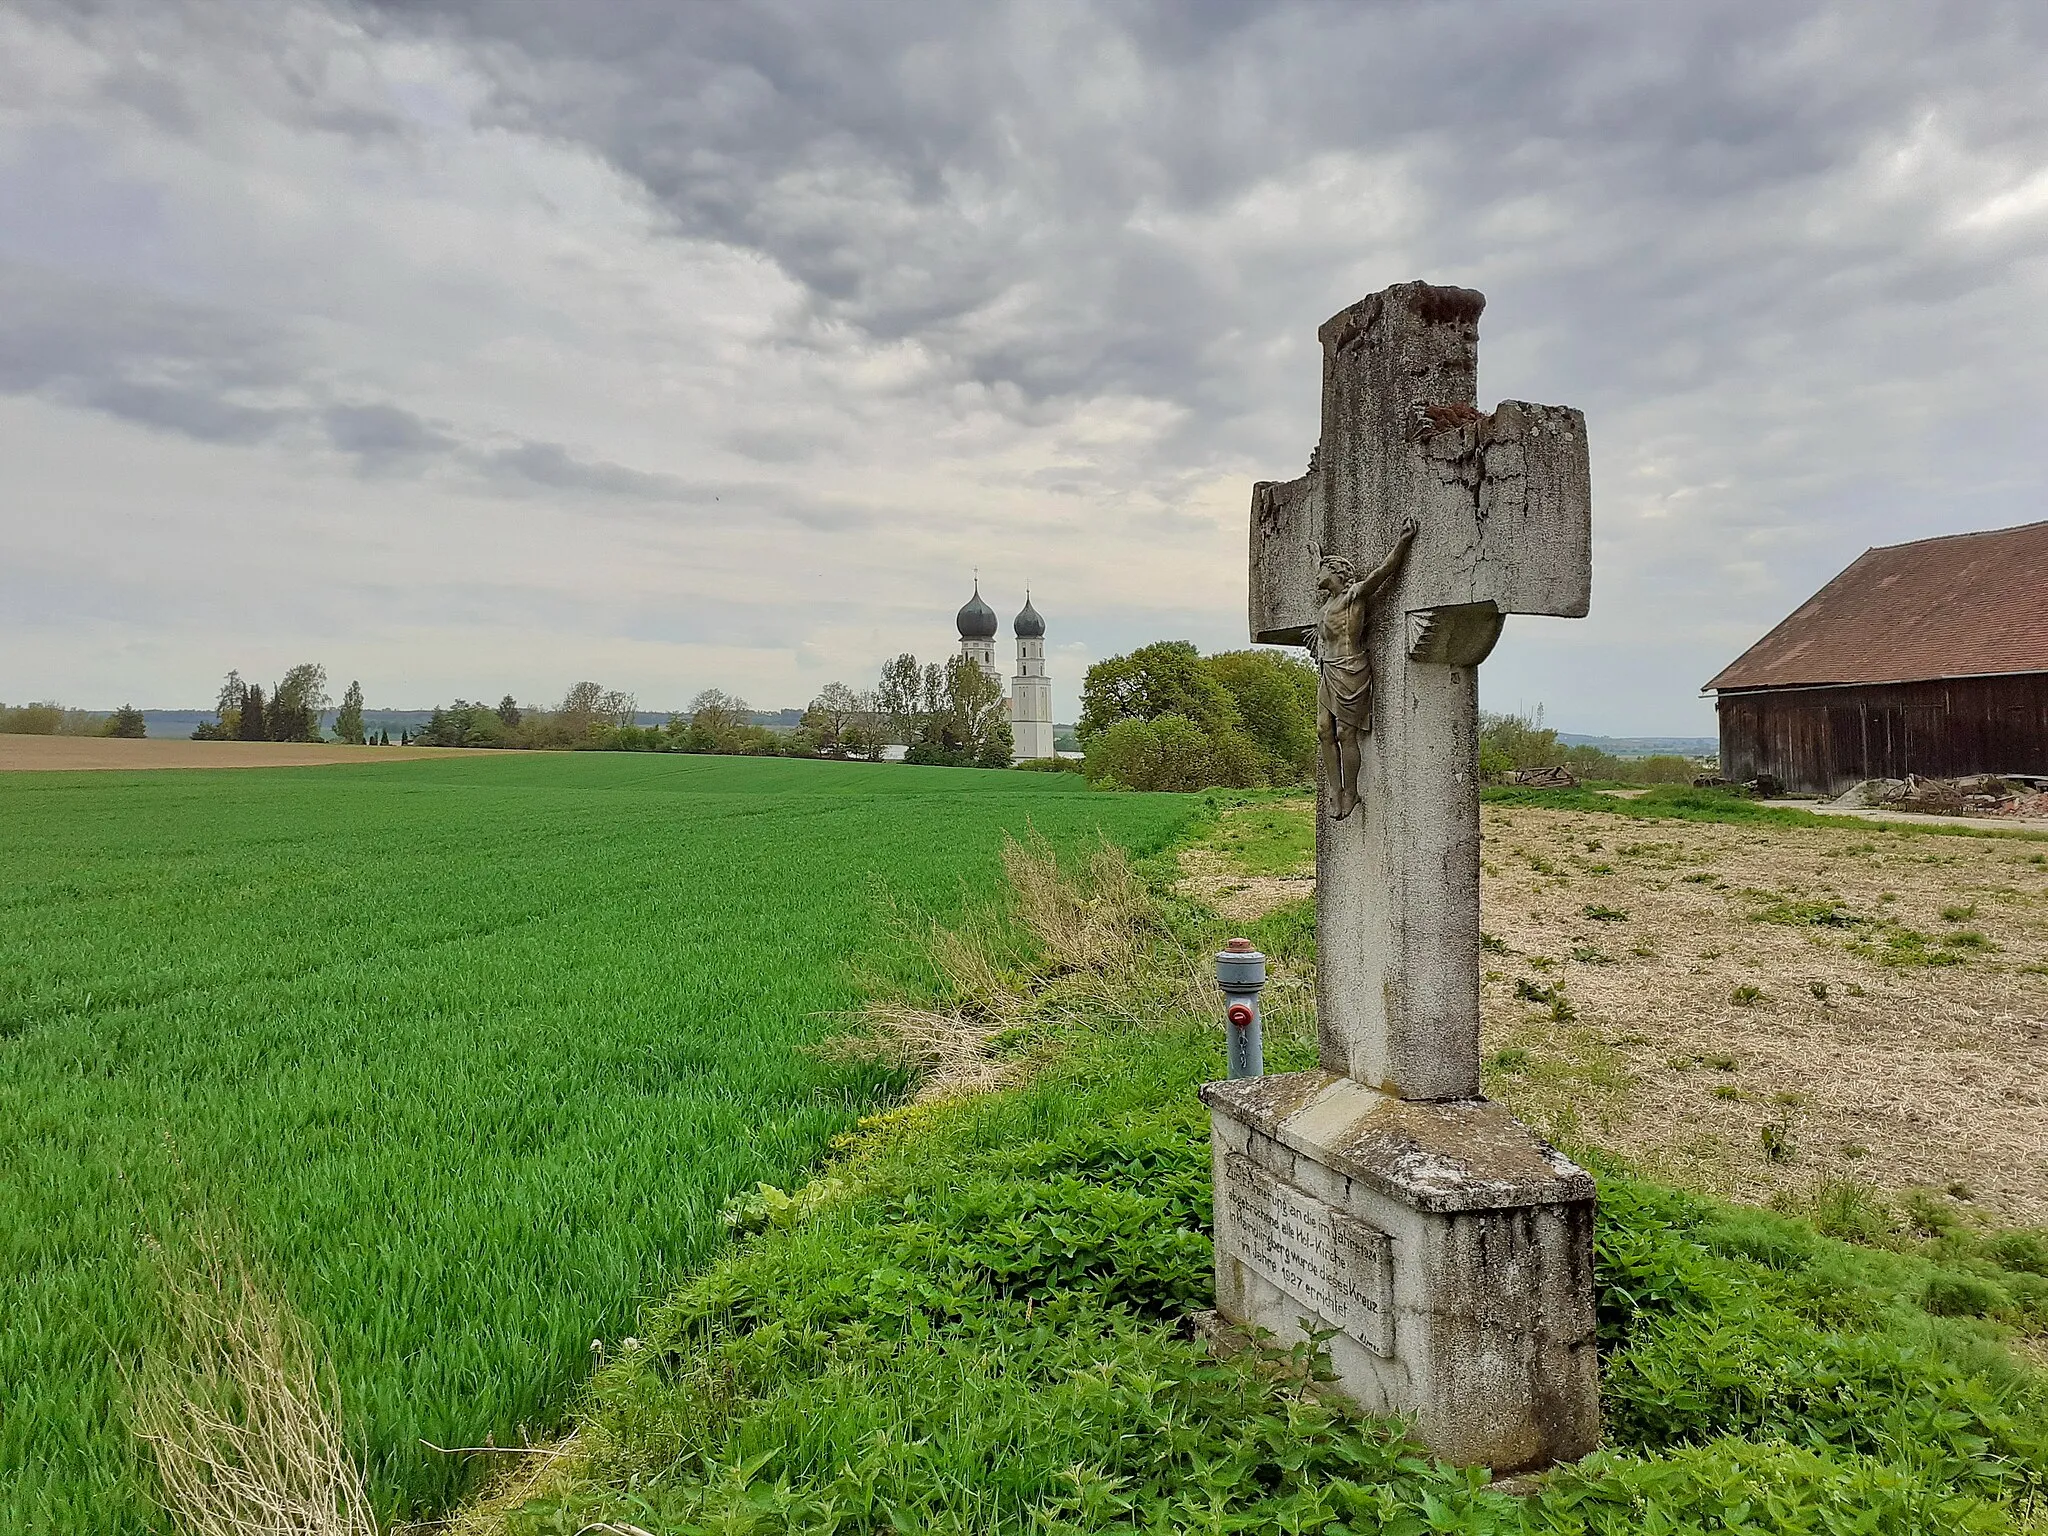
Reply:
x=1270, y=838
x=1793, y=913
x=1896, y=944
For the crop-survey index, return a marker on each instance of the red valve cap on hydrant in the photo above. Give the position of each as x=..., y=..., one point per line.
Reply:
x=1240, y=1014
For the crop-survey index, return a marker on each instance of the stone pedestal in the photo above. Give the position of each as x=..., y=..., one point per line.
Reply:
x=1451, y=1249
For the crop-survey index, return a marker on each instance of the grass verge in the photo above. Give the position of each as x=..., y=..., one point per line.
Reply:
x=1676, y=802
x=974, y=1321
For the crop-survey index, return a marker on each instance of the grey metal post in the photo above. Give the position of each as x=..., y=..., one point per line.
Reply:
x=1241, y=973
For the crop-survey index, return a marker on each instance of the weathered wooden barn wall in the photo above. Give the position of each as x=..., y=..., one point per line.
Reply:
x=1822, y=740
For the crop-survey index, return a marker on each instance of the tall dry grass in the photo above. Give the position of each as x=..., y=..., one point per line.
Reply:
x=1093, y=927
x=1099, y=917
x=240, y=1410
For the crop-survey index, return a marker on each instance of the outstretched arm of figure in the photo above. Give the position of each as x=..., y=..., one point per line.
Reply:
x=1388, y=568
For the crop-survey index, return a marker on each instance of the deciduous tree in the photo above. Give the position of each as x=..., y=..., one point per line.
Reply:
x=966, y=721
x=293, y=712
x=228, y=709
x=718, y=721
x=588, y=709
x=1166, y=677
x=830, y=715
x=1275, y=695
x=867, y=732
x=348, y=721
x=901, y=697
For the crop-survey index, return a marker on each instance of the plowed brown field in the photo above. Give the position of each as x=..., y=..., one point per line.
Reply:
x=70, y=754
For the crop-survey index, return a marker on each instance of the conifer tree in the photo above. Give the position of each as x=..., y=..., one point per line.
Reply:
x=126, y=721
x=228, y=725
x=252, y=715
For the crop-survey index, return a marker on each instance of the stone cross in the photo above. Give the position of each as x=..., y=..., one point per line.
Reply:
x=1380, y=1201
x=1503, y=511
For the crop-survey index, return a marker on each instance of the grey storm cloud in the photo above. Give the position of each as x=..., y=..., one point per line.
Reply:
x=383, y=434
x=913, y=163
x=183, y=367
x=915, y=279
x=539, y=468
x=552, y=466
x=208, y=373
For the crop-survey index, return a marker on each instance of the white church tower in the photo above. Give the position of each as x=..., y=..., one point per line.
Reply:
x=978, y=635
x=1030, y=689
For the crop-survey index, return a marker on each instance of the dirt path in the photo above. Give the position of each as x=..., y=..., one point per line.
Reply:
x=31, y=754
x=1756, y=1010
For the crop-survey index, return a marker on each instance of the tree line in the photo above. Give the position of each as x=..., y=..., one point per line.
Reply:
x=290, y=711
x=951, y=714
x=1508, y=742
x=49, y=718
x=1162, y=717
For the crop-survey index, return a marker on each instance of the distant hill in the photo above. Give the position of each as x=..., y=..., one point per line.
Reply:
x=1645, y=746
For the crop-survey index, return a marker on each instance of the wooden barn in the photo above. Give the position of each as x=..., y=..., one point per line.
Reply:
x=1927, y=658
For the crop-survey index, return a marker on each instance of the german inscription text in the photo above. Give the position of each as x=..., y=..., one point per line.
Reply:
x=1338, y=1266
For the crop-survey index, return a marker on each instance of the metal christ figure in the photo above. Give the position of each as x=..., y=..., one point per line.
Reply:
x=1344, y=689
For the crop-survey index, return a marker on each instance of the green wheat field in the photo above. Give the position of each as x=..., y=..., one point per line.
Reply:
x=466, y=1055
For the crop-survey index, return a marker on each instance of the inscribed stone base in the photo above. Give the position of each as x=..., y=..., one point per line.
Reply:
x=1450, y=1249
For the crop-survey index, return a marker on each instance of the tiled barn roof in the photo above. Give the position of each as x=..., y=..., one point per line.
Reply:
x=1968, y=605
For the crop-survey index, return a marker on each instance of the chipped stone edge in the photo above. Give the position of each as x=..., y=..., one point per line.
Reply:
x=1421, y=1154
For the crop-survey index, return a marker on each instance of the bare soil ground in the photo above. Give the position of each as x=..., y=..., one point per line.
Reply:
x=1759, y=1010
x=19, y=754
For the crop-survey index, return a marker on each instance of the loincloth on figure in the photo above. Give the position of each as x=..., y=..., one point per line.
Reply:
x=1344, y=692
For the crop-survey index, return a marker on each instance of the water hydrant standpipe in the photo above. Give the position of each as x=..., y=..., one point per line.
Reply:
x=1241, y=973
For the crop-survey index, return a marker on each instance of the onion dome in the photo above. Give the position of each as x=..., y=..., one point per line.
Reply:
x=1028, y=625
x=977, y=620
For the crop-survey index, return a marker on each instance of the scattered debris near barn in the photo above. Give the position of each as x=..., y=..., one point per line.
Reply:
x=1984, y=794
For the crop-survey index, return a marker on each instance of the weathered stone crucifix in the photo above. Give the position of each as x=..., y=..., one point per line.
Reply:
x=1382, y=1195
x=1503, y=512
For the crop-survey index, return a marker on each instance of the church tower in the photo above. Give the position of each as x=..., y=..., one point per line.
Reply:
x=978, y=635
x=1031, y=689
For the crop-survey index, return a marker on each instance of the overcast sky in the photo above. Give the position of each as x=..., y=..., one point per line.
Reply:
x=474, y=348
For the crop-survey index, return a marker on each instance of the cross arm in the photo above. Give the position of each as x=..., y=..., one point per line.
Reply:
x=1286, y=524
x=1524, y=482
x=1507, y=521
